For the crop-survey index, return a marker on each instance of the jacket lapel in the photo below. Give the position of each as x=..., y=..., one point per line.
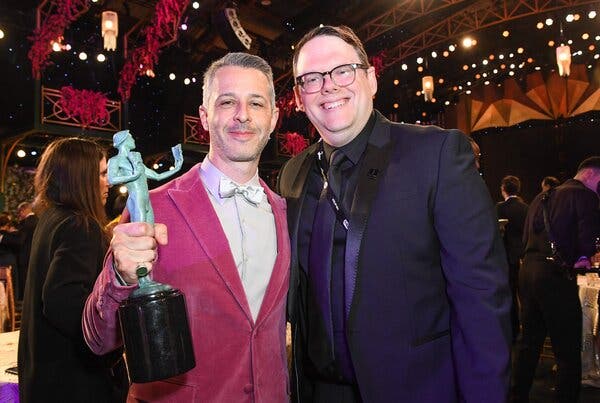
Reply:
x=278, y=283
x=206, y=227
x=372, y=169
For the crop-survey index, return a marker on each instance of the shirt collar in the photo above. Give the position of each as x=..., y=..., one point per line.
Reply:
x=354, y=149
x=211, y=176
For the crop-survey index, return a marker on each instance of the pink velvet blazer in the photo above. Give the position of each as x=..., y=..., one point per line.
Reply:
x=237, y=360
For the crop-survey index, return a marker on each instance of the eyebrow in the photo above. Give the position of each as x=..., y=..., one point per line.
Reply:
x=232, y=94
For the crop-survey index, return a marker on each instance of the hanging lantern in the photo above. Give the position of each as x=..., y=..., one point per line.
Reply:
x=110, y=29
x=428, y=87
x=563, y=59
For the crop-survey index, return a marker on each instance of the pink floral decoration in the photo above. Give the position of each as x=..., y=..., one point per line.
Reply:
x=53, y=27
x=377, y=62
x=89, y=107
x=161, y=32
x=293, y=143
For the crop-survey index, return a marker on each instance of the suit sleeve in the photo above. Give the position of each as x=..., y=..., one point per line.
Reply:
x=73, y=268
x=476, y=271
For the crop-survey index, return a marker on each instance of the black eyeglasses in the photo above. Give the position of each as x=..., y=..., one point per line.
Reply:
x=342, y=76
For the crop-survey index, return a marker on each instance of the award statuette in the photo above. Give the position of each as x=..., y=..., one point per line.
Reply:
x=154, y=322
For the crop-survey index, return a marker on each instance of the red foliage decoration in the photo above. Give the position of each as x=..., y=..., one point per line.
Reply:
x=89, y=107
x=161, y=32
x=53, y=27
x=293, y=143
x=377, y=62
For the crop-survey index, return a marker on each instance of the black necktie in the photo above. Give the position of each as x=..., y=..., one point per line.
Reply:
x=334, y=172
x=320, y=345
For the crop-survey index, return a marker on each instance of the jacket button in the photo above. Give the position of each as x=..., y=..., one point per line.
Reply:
x=248, y=388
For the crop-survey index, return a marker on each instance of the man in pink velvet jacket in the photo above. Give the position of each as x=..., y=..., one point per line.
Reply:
x=228, y=252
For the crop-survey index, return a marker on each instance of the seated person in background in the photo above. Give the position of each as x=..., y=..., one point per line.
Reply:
x=7, y=256
x=6, y=224
x=19, y=241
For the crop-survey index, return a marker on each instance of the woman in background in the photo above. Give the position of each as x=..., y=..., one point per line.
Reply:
x=69, y=243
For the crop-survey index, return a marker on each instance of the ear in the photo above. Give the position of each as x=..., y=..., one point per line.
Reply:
x=274, y=119
x=372, y=79
x=298, y=98
x=203, y=116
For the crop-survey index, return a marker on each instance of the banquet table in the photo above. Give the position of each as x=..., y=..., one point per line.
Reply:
x=589, y=287
x=9, y=383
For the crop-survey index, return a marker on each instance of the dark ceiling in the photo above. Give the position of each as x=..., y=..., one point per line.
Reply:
x=403, y=29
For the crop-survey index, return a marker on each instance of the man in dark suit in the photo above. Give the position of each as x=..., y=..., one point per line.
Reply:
x=548, y=290
x=399, y=284
x=20, y=241
x=514, y=210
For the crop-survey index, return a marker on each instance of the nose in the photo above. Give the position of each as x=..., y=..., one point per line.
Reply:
x=242, y=114
x=328, y=84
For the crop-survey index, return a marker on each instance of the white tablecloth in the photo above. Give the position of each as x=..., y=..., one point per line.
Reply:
x=8, y=355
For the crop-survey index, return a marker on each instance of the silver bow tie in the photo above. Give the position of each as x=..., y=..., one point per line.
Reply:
x=252, y=194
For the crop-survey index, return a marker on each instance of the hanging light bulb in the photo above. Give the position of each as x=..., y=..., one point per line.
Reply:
x=563, y=60
x=110, y=29
x=428, y=87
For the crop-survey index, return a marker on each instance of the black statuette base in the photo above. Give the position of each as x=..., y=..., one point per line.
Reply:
x=156, y=334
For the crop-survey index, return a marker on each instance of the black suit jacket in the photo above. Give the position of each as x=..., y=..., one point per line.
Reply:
x=515, y=210
x=429, y=313
x=55, y=364
x=574, y=222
